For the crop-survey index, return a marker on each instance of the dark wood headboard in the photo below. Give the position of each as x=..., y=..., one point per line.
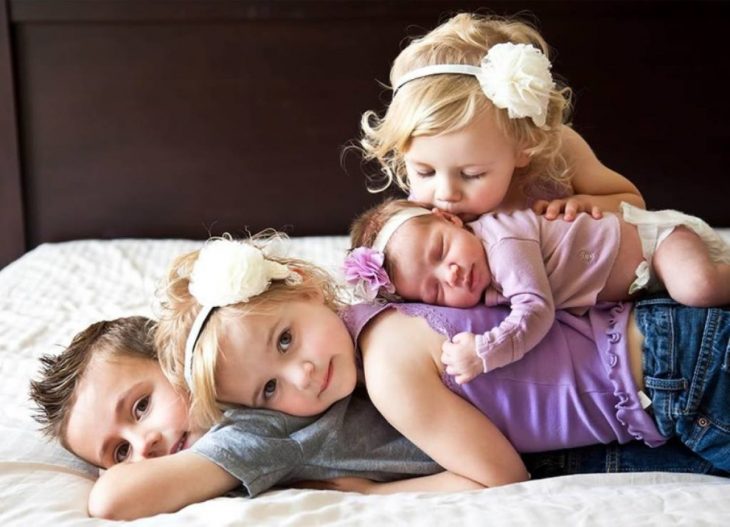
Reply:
x=124, y=118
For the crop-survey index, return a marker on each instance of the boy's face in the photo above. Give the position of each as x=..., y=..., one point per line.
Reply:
x=467, y=172
x=437, y=261
x=298, y=358
x=125, y=411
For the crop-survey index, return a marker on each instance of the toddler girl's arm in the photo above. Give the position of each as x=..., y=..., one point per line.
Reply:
x=400, y=355
x=152, y=486
x=597, y=187
x=441, y=482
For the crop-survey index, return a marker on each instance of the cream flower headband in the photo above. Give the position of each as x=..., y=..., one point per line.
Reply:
x=515, y=77
x=227, y=272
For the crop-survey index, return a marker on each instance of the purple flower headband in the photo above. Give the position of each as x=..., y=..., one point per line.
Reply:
x=364, y=265
x=364, y=270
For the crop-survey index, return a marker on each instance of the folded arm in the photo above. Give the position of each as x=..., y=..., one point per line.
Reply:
x=165, y=484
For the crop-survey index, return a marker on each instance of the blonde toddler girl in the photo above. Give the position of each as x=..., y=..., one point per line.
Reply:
x=478, y=124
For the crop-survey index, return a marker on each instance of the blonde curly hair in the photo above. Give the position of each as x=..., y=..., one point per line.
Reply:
x=440, y=104
x=179, y=309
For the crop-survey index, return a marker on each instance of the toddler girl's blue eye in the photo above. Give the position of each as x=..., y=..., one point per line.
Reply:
x=285, y=340
x=270, y=389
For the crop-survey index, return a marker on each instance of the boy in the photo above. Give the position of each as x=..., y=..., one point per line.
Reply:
x=108, y=382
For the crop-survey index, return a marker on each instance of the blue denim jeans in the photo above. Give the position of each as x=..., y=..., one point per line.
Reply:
x=673, y=456
x=687, y=374
x=686, y=368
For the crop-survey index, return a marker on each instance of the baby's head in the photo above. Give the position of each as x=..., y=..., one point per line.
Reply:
x=402, y=250
x=241, y=326
x=465, y=140
x=106, y=399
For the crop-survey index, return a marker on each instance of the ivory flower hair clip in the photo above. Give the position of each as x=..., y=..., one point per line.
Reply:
x=227, y=272
x=515, y=77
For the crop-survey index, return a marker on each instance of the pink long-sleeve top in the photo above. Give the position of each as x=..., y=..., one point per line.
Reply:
x=539, y=266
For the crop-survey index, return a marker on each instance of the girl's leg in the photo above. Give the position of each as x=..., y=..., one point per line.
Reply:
x=683, y=264
x=631, y=457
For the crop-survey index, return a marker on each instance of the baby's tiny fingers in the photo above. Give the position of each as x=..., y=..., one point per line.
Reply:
x=596, y=212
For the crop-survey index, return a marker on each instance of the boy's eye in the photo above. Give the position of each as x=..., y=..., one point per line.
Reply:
x=424, y=173
x=141, y=406
x=270, y=389
x=284, y=341
x=121, y=452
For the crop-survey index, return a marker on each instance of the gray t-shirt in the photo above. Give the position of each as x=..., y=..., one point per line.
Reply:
x=263, y=448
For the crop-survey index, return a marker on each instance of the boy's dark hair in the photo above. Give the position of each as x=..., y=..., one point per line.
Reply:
x=55, y=392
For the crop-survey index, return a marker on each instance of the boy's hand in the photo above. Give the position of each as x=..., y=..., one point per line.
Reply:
x=460, y=357
x=570, y=207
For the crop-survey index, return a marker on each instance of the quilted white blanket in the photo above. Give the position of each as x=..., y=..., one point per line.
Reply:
x=57, y=289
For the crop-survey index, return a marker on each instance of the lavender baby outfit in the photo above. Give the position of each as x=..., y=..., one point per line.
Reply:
x=539, y=266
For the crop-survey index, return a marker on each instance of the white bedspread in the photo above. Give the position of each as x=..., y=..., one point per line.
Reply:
x=57, y=289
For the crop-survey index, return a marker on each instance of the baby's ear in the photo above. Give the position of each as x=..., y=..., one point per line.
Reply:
x=448, y=216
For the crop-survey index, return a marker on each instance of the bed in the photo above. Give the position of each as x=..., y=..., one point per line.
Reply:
x=131, y=130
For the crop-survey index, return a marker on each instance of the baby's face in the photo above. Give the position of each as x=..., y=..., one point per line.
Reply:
x=467, y=172
x=126, y=410
x=437, y=261
x=298, y=358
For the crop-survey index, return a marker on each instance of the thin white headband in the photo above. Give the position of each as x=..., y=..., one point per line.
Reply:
x=195, y=330
x=395, y=221
x=515, y=77
x=227, y=272
x=437, y=69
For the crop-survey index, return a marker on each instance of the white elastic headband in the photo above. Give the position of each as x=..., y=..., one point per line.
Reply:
x=395, y=221
x=437, y=69
x=227, y=272
x=515, y=77
x=192, y=340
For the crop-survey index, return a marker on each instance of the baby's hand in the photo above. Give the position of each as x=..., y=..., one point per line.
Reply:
x=460, y=357
x=570, y=207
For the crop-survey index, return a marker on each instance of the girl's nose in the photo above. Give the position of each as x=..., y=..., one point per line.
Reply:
x=302, y=374
x=446, y=188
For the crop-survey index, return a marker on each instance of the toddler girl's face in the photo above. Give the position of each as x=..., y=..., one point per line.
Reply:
x=126, y=410
x=438, y=262
x=298, y=358
x=467, y=172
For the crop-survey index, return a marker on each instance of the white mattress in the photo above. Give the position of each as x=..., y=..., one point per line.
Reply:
x=57, y=289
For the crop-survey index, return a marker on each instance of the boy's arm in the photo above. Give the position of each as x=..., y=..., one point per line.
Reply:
x=594, y=184
x=165, y=484
x=400, y=354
